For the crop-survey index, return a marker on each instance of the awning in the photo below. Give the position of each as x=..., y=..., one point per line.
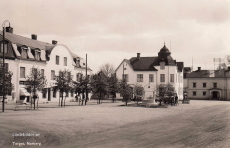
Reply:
x=24, y=92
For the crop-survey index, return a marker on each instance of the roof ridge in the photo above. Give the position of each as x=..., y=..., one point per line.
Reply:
x=7, y=33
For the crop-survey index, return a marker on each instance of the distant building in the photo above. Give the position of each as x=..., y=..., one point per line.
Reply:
x=151, y=71
x=209, y=84
x=23, y=53
x=186, y=71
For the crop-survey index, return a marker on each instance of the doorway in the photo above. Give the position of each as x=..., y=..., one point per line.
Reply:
x=215, y=95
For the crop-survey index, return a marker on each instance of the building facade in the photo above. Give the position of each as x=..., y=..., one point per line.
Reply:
x=152, y=71
x=209, y=84
x=22, y=54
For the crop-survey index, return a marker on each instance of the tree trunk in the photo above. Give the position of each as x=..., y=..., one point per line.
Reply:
x=34, y=102
x=62, y=99
x=100, y=98
x=59, y=101
x=3, y=103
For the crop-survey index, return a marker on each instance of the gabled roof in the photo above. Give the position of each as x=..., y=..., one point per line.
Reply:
x=209, y=74
x=143, y=63
x=125, y=60
x=20, y=40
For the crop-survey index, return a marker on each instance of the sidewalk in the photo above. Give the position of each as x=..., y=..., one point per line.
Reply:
x=56, y=104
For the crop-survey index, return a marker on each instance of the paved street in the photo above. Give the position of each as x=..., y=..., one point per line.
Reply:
x=198, y=124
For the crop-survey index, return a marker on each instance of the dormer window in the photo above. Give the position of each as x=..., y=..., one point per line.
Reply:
x=37, y=54
x=5, y=46
x=23, y=51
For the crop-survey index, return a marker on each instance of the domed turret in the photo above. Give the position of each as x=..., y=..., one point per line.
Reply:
x=164, y=55
x=164, y=51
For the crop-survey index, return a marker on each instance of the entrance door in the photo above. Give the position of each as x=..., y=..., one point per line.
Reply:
x=214, y=95
x=49, y=95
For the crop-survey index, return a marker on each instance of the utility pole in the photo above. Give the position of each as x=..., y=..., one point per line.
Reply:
x=86, y=89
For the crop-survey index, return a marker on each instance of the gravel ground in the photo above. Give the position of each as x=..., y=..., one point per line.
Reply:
x=198, y=124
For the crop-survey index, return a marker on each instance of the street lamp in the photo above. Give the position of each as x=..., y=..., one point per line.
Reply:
x=3, y=67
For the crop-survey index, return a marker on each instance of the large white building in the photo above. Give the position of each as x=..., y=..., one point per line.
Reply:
x=151, y=71
x=21, y=54
x=208, y=84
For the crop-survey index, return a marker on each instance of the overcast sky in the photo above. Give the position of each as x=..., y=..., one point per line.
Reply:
x=112, y=30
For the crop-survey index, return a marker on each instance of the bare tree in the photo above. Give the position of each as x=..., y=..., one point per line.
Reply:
x=107, y=69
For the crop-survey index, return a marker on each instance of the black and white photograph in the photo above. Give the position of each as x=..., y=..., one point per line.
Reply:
x=115, y=74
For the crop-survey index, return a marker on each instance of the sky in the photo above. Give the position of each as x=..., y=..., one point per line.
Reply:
x=109, y=31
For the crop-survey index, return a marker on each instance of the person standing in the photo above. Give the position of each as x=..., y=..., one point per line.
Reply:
x=176, y=99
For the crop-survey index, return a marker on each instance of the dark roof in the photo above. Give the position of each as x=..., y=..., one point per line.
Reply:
x=143, y=63
x=164, y=55
x=209, y=74
x=147, y=63
x=180, y=66
x=187, y=69
x=20, y=40
x=164, y=50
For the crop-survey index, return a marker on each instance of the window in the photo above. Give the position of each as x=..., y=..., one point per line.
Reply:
x=22, y=72
x=204, y=93
x=204, y=85
x=194, y=85
x=52, y=74
x=126, y=77
x=57, y=60
x=79, y=76
x=42, y=72
x=65, y=61
x=37, y=55
x=151, y=79
x=35, y=70
x=215, y=85
x=69, y=75
x=139, y=77
x=162, y=77
x=194, y=93
x=5, y=48
x=24, y=52
x=171, y=77
x=162, y=65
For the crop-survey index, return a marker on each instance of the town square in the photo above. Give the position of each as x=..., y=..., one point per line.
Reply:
x=118, y=73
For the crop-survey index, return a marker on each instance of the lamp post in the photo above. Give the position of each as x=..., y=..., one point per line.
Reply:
x=3, y=67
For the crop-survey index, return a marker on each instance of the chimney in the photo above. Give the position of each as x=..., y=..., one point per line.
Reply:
x=199, y=68
x=9, y=29
x=34, y=36
x=54, y=42
x=138, y=55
